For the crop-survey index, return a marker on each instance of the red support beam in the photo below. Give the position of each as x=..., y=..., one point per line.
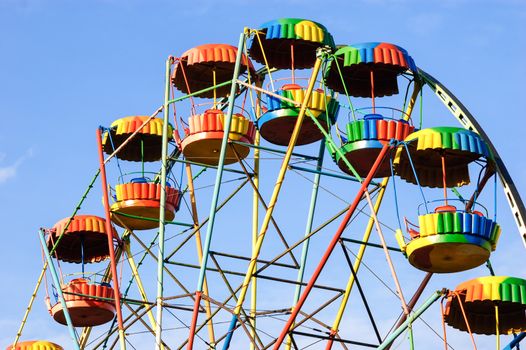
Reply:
x=331, y=247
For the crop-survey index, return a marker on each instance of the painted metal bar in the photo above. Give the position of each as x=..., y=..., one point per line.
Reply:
x=184, y=161
x=217, y=187
x=357, y=262
x=480, y=186
x=346, y=341
x=150, y=329
x=265, y=277
x=497, y=332
x=515, y=342
x=387, y=255
x=260, y=197
x=332, y=245
x=298, y=243
x=29, y=307
x=166, y=270
x=469, y=122
x=112, y=331
x=255, y=226
x=181, y=98
x=273, y=150
x=162, y=203
x=414, y=299
x=56, y=282
x=84, y=336
x=109, y=233
x=247, y=258
x=396, y=333
x=105, y=278
x=324, y=325
x=243, y=314
x=338, y=176
x=362, y=294
x=308, y=229
x=199, y=247
x=370, y=225
x=310, y=316
x=140, y=287
x=391, y=266
x=225, y=201
x=319, y=228
x=273, y=199
x=369, y=244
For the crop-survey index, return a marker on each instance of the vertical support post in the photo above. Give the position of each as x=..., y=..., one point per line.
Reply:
x=331, y=246
x=273, y=200
x=411, y=338
x=497, y=326
x=215, y=195
x=56, y=281
x=308, y=229
x=255, y=226
x=162, y=203
x=396, y=333
x=109, y=233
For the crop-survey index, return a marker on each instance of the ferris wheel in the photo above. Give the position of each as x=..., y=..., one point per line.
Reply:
x=295, y=194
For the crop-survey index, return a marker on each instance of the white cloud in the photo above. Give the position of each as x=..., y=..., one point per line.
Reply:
x=9, y=171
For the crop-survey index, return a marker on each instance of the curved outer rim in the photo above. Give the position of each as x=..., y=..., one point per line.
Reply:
x=468, y=121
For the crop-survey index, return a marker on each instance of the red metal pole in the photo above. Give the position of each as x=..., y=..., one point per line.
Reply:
x=109, y=233
x=193, y=325
x=331, y=247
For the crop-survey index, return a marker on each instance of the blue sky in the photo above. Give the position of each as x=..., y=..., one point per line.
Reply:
x=67, y=67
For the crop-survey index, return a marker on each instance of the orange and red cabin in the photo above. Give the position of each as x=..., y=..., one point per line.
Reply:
x=84, y=241
x=137, y=204
x=88, y=304
x=204, y=136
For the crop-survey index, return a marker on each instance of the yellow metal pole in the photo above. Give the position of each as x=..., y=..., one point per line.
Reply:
x=138, y=280
x=272, y=202
x=84, y=336
x=215, y=89
x=255, y=208
x=277, y=187
x=497, y=332
x=199, y=246
x=359, y=256
x=30, y=306
x=255, y=225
